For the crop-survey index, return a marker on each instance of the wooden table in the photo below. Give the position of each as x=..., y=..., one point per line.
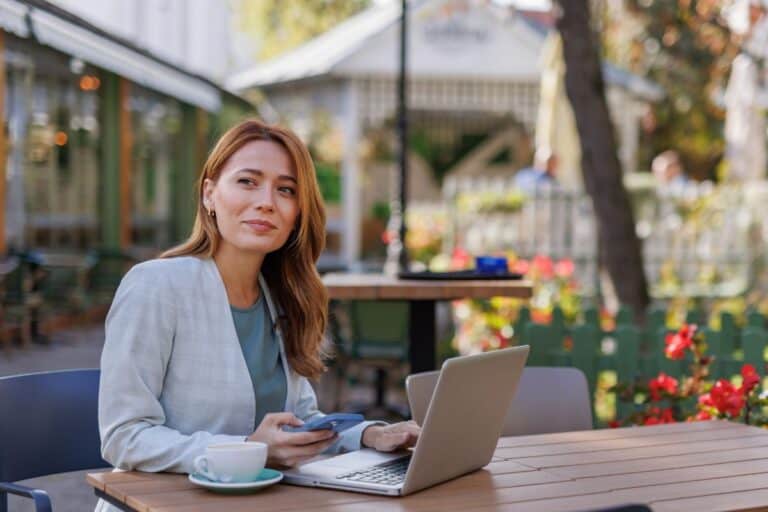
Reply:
x=422, y=296
x=703, y=466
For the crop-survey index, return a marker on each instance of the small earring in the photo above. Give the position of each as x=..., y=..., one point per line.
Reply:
x=212, y=213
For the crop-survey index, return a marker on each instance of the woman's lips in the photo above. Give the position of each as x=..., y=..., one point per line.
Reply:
x=261, y=226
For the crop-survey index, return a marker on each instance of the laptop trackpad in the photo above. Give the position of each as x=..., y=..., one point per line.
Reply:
x=335, y=465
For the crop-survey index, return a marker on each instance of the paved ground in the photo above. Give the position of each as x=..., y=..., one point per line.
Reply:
x=81, y=348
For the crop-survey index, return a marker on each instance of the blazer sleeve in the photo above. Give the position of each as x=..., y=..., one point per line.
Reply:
x=306, y=409
x=140, y=330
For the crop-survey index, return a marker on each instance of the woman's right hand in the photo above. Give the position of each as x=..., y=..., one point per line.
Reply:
x=287, y=449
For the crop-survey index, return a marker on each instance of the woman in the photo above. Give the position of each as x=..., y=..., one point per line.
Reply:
x=216, y=340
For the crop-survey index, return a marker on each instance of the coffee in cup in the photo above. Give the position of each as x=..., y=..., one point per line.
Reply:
x=232, y=462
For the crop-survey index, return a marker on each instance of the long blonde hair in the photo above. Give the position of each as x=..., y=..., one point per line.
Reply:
x=289, y=271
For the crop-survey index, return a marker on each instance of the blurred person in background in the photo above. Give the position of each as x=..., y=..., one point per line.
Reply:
x=542, y=172
x=668, y=170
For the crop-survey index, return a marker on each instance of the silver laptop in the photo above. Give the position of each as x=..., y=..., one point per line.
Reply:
x=459, y=435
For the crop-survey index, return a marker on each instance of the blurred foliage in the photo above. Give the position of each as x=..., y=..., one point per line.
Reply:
x=500, y=201
x=329, y=180
x=687, y=48
x=282, y=25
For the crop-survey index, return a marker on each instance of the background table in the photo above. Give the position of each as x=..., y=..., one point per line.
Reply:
x=702, y=466
x=422, y=296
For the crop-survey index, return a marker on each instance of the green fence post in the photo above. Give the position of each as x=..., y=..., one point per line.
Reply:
x=714, y=343
x=694, y=316
x=627, y=359
x=654, y=321
x=753, y=341
x=729, y=335
x=558, y=322
x=523, y=319
x=543, y=342
x=592, y=317
x=625, y=316
x=755, y=319
x=586, y=343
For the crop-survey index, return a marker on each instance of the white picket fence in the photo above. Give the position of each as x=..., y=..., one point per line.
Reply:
x=711, y=253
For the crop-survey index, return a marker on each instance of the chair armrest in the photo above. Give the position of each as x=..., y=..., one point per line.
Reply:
x=40, y=497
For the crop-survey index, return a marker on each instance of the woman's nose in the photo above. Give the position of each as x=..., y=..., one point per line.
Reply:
x=265, y=199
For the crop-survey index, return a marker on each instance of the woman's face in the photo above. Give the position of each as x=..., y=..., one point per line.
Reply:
x=255, y=197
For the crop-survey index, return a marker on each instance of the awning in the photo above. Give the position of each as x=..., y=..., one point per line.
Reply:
x=105, y=53
x=12, y=17
x=69, y=37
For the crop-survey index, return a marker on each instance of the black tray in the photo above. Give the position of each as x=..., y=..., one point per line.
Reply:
x=458, y=274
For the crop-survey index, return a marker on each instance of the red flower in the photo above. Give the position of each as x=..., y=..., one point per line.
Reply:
x=702, y=416
x=749, y=379
x=544, y=266
x=662, y=383
x=658, y=416
x=564, y=268
x=614, y=424
x=726, y=398
x=679, y=342
x=667, y=416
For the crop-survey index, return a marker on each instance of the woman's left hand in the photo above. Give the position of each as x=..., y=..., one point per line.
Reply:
x=388, y=438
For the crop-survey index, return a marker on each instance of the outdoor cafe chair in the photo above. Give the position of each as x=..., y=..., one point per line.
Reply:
x=49, y=426
x=378, y=339
x=548, y=399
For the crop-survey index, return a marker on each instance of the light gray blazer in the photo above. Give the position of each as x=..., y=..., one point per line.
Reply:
x=173, y=376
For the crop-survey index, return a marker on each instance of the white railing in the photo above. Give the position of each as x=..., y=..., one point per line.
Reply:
x=698, y=240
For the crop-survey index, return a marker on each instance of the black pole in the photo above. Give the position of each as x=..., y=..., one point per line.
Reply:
x=402, y=107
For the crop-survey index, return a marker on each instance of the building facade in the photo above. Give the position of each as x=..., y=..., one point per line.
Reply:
x=105, y=129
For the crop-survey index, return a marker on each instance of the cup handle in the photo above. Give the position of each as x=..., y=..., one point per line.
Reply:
x=201, y=466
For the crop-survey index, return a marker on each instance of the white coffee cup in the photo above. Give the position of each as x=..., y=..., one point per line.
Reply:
x=232, y=462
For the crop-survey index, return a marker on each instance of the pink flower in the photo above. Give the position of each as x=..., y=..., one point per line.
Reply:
x=521, y=266
x=544, y=266
x=564, y=268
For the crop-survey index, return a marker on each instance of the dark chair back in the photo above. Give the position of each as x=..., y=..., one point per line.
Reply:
x=49, y=424
x=379, y=329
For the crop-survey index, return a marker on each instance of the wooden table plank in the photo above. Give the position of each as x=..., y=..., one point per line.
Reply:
x=631, y=454
x=659, y=464
x=740, y=500
x=383, y=287
x=617, y=433
x=518, y=452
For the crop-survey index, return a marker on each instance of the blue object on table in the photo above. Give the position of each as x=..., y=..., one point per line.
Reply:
x=338, y=422
x=491, y=264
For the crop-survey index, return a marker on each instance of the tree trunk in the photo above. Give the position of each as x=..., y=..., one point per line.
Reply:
x=618, y=244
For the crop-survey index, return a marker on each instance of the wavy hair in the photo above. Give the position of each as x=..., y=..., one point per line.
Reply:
x=289, y=271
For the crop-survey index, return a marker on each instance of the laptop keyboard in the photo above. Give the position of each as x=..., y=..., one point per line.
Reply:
x=387, y=473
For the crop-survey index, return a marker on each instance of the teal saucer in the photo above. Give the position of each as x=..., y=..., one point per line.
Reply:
x=266, y=478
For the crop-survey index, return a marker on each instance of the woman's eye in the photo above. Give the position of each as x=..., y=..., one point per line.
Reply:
x=246, y=181
x=288, y=190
